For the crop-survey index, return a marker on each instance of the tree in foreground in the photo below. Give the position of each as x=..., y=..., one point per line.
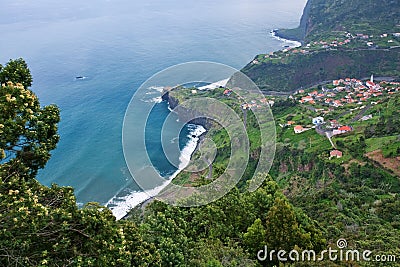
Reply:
x=16, y=71
x=42, y=226
x=28, y=132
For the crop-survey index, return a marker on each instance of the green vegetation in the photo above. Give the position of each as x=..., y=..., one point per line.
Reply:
x=351, y=196
x=388, y=122
x=291, y=72
x=376, y=143
x=41, y=226
x=308, y=201
x=354, y=196
x=222, y=232
x=323, y=17
x=16, y=71
x=340, y=39
x=366, y=17
x=220, y=137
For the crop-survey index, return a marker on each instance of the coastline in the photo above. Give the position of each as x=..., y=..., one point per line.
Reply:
x=121, y=205
x=294, y=43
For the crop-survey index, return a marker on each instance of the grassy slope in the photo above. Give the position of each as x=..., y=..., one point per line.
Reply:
x=221, y=138
x=352, y=197
x=301, y=71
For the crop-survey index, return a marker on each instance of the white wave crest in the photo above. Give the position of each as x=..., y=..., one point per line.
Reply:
x=291, y=43
x=157, y=100
x=121, y=205
x=157, y=88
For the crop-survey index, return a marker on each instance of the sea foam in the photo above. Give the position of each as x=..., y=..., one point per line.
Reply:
x=127, y=199
x=291, y=43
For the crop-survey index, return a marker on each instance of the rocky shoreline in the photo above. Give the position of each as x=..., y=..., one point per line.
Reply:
x=185, y=114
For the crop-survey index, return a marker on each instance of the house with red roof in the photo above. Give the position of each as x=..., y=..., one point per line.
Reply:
x=342, y=130
x=328, y=100
x=336, y=153
x=337, y=103
x=345, y=128
x=227, y=92
x=298, y=129
x=305, y=99
x=370, y=84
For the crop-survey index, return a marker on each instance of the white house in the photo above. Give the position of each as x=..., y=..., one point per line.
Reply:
x=365, y=118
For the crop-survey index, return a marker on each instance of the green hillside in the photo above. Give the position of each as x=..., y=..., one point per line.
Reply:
x=353, y=38
x=367, y=17
x=354, y=196
x=286, y=73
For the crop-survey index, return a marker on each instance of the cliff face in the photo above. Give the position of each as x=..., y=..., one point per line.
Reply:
x=185, y=114
x=299, y=33
x=172, y=102
x=305, y=21
x=356, y=16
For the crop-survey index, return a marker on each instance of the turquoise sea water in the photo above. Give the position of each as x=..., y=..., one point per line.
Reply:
x=117, y=45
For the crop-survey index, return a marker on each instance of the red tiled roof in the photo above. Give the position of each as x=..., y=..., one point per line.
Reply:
x=298, y=127
x=345, y=128
x=336, y=153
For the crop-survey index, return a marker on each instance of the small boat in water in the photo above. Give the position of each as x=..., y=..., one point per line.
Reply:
x=80, y=77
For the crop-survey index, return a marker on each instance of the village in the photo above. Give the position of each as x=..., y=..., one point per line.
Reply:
x=344, y=92
x=341, y=40
x=329, y=110
x=347, y=98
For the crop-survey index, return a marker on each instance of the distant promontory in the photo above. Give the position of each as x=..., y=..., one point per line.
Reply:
x=339, y=38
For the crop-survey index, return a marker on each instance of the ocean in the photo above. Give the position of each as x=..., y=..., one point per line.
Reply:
x=116, y=45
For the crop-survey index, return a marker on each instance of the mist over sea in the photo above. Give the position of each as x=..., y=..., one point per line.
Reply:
x=116, y=45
